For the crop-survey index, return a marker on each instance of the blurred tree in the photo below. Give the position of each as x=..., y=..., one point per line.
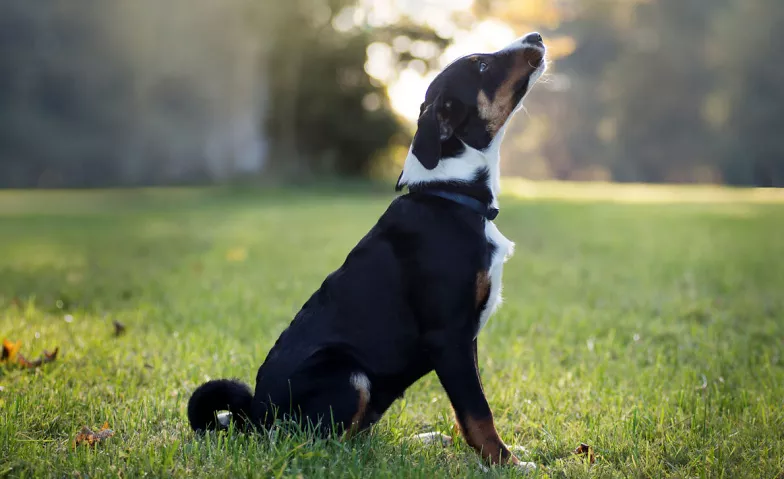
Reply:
x=104, y=92
x=659, y=84
x=109, y=92
x=101, y=92
x=327, y=114
x=747, y=107
x=47, y=97
x=662, y=91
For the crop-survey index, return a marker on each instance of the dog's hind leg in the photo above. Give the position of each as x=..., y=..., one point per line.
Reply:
x=339, y=403
x=363, y=415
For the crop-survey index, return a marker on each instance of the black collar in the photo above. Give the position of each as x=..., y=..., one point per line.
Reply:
x=485, y=210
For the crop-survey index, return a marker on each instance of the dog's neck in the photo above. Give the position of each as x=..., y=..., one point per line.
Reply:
x=473, y=173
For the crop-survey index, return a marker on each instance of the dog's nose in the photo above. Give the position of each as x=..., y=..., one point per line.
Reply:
x=534, y=38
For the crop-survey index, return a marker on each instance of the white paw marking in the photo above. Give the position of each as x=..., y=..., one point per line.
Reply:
x=523, y=452
x=434, y=438
x=520, y=451
x=526, y=467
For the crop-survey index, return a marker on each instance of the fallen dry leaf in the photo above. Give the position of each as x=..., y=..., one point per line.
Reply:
x=90, y=437
x=46, y=358
x=119, y=328
x=10, y=351
x=11, y=355
x=585, y=450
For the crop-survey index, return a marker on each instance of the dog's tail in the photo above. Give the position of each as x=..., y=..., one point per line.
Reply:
x=220, y=395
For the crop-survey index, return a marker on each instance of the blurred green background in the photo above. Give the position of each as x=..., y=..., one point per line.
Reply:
x=111, y=92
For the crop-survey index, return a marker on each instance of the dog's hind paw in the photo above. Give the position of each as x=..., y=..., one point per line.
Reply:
x=434, y=438
x=519, y=451
x=526, y=467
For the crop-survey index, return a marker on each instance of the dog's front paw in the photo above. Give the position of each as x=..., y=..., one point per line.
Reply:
x=524, y=466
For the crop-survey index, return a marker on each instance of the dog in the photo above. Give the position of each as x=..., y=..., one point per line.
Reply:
x=414, y=293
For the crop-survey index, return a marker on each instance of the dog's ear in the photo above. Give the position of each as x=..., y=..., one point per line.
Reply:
x=427, y=140
x=437, y=123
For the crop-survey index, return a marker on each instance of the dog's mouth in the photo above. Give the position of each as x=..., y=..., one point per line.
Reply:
x=534, y=54
x=536, y=58
x=530, y=60
x=531, y=47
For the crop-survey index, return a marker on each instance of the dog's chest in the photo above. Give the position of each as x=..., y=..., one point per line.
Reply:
x=502, y=249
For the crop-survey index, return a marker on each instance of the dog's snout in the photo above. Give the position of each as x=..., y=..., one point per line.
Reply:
x=534, y=38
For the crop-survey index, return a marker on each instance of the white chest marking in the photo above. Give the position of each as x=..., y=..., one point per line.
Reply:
x=504, y=249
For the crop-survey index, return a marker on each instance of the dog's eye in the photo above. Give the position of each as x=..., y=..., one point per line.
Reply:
x=482, y=67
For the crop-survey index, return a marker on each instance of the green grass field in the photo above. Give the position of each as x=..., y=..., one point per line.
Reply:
x=652, y=330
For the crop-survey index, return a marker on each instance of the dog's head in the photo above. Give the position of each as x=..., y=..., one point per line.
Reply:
x=472, y=99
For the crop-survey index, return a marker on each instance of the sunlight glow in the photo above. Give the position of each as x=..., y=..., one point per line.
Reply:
x=487, y=36
x=407, y=87
x=379, y=63
x=407, y=90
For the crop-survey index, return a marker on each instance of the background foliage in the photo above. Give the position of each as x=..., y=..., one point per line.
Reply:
x=107, y=92
x=655, y=91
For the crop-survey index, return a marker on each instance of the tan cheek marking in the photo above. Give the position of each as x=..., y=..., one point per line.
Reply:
x=481, y=435
x=494, y=113
x=497, y=112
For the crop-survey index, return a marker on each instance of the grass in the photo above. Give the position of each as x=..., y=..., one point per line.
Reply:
x=651, y=330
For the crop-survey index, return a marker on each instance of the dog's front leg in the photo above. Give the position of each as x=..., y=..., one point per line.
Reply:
x=455, y=366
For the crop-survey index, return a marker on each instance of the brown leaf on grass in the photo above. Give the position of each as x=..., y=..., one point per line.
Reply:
x=585, y=450
x=46, y=358
x=10, y=351
x=119, y=328
x=10, y=355
x=89, y=437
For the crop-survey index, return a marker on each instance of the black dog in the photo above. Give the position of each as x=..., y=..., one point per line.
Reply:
x=413, y=295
